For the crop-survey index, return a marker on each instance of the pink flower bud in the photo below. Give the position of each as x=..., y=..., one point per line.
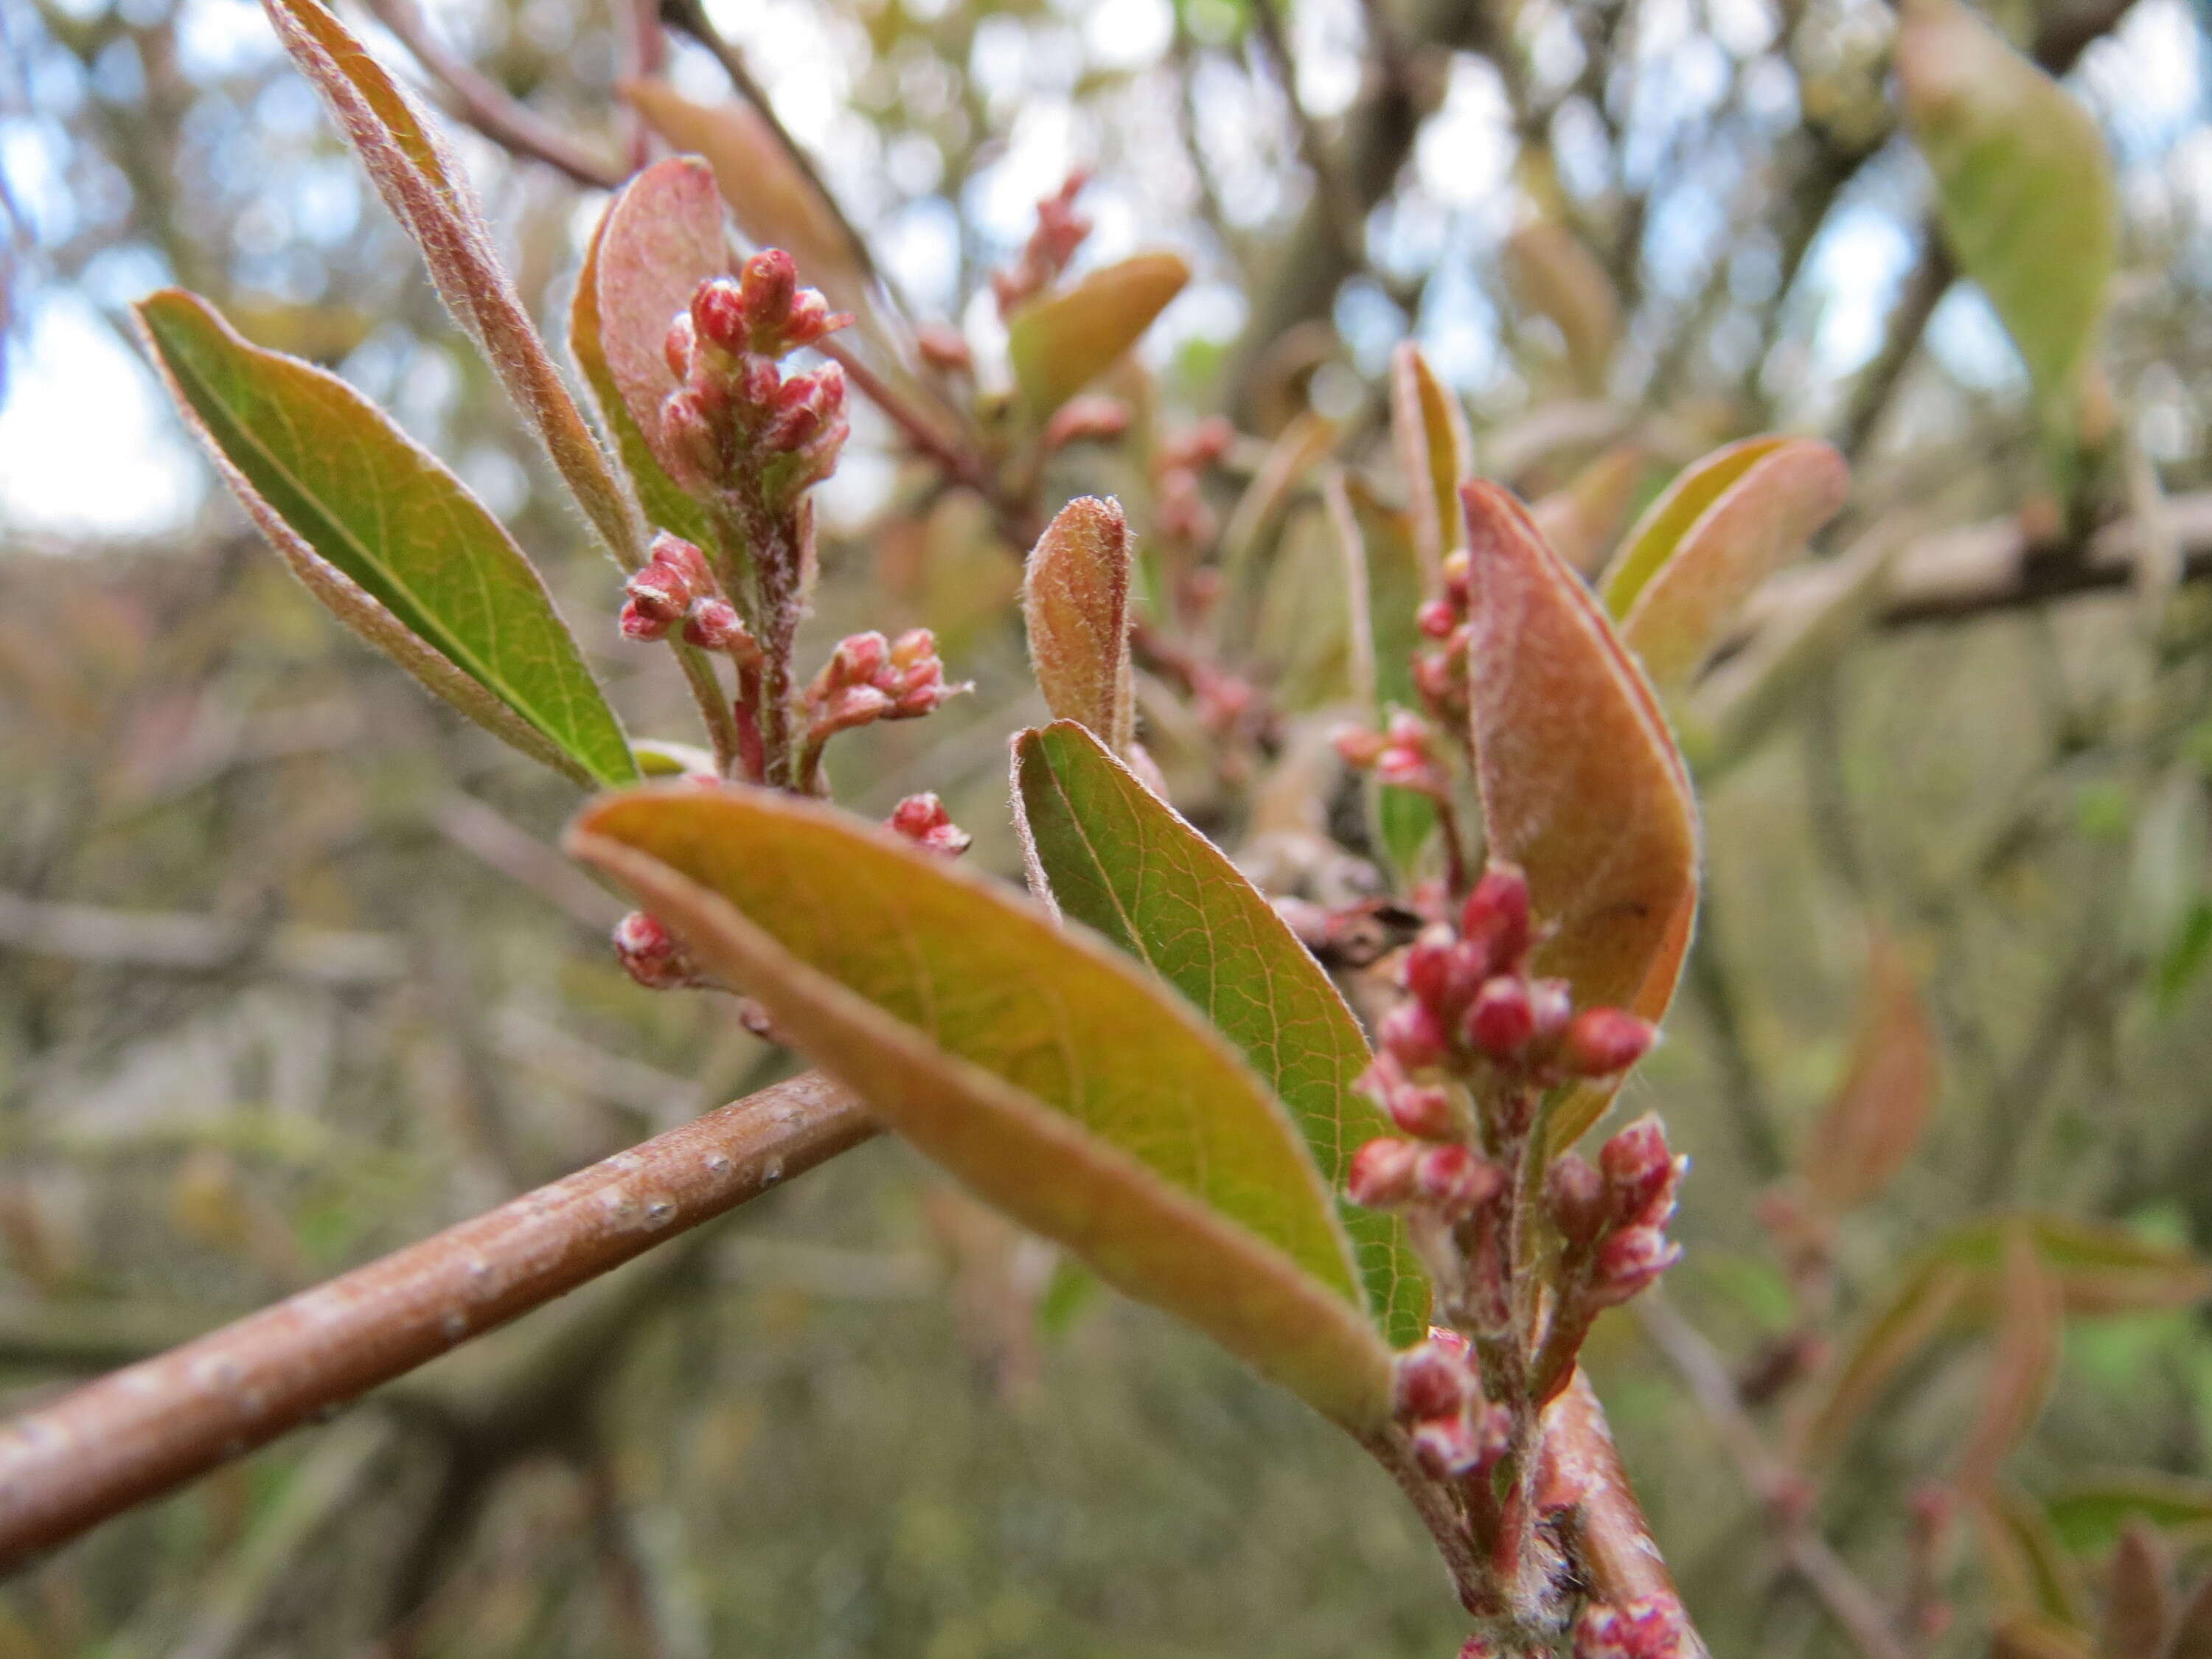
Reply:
x=1426, y=969
x=1092, y=419
x=945, y=348
x=677, y=349
x=1411, y=1034
x=718, y=314
x=1382, y=1174
x=923, y=820
x=638, y=622
x=1501, y=1019
x=684, y=559
x=1446, y=1447
x=1456, y=1179
x=1605, y=1041
x=714, y=625
x=1430, y=1381
x=1495, y=918
x=1553, y=1002
x=768, y=284
x=1652, y=1628
x=1424, y=1111
x=651, y=954
x=1575, y=1198
x=1456, y=577
x=1437, y=619
x=1357, y=746
x=1627, y=1262
x=1640, y=1172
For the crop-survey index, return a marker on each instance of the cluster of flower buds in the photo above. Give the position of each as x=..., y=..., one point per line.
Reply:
x=1650, y=1627
x=1179, y=496
x=923, y=820
x=869, y=679
x=1612, y=1217
x=737, y=413
x=1435, y=1394
x=676, y=586
x=1403, y=754
x=1059, y=231
x=653, y=957
x=1440, y=665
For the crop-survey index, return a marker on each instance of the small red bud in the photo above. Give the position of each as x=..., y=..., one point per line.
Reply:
x=1411, y=1034
x=1553, y=1002
x=1357, y=746
x=718, y=314
x=1456, y=577
x=1092, y=419
x=922, y=819
x=638, y=622
x=1496, y=917
x=1382, y=1174
x=1456, y=1179
x=1501, y=1019
x=1605, y=1041
x=1574, y=1197
x=1650, y=1627
x=652, y=954
x=1446, y=1447
x=945, y=348
x=1640, y=1171
x=682, y=340
x=714, y=625
x=1437, y=619
x=1629, y=1261
x=1429, y=1381
x=1424, y=1111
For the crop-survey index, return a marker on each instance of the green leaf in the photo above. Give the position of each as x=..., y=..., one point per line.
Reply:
x=423, y=185
x=2024, y=188
x=1120, y=861
x=2030, y=1572
x=1060, y=342
x=1756, y=503
x=1581, y=784
x=388, y=539
x=1430, y=431
x=1040, y=1065
x=2088, y=1516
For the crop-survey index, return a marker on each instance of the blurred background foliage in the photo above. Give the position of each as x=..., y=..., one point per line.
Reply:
x=288, y=975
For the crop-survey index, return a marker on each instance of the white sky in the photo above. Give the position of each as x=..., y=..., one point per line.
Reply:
x=87, y=443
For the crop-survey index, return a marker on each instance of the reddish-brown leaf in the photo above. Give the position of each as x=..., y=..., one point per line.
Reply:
x=1873, y=1122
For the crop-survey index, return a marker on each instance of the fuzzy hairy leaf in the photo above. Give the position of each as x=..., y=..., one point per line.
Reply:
x=661, y=238
x=2024, y=187
x=1060, y=342
x=388, y=539
x=1120, y=861
x=1075, y=602
x=1675, y=599
x=1580, y=783
x=1050, y=1073
x=422, y=182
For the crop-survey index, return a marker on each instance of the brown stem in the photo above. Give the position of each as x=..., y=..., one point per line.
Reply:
x=476, y=99
x=149, y=1428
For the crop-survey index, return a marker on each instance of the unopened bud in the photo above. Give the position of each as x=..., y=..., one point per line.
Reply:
x=1605, y=1041
x=1501, y=1019
x=1411, y=1034
x=714, y=625
x=1429, y=1381
x=718, y=314
x=945, y=348
x=652, y=954
x=1382, y=1174
x=1427, y=970
x=1640, y=1172
x=1092, y=419
x=1495, y=918
x=1553, y=1002
x=1424, y=1111
x=1650, y=1627
x=1357, y=746
x=1456, y=1180
x=923, y=820
x=1437, y=619
x=1629, y=1262
x=1574, y=1197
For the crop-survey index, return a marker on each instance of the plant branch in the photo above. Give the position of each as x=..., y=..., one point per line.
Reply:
x=145, y=1430
x=1339, y=208
x=475, y=99
x=1854, y=1608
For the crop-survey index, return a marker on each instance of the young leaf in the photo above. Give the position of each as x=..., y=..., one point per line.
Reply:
x=2090, y=1517
x=667, y=505
x=1874, y=1120
x=388, y=539
x=1581, y=784
x=1075, y=600
x=1041, y=1066
x=2024, y=188
x=2023, y=1368
x=2036, y=1635
x=1116, y=858
x=1429, y=430
x=1553, y=274
x=1925, y=1304
x=422, y=184
x=2029, y=1570
x=772, y=200
x=2192, y=1625
x=2098, y=1267
x=1382, y=571
x=1060, y=342
x=661, y=238
x=1583, y=519
x=1656, y=536
x=2138, y=1595
x=1673, y=611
